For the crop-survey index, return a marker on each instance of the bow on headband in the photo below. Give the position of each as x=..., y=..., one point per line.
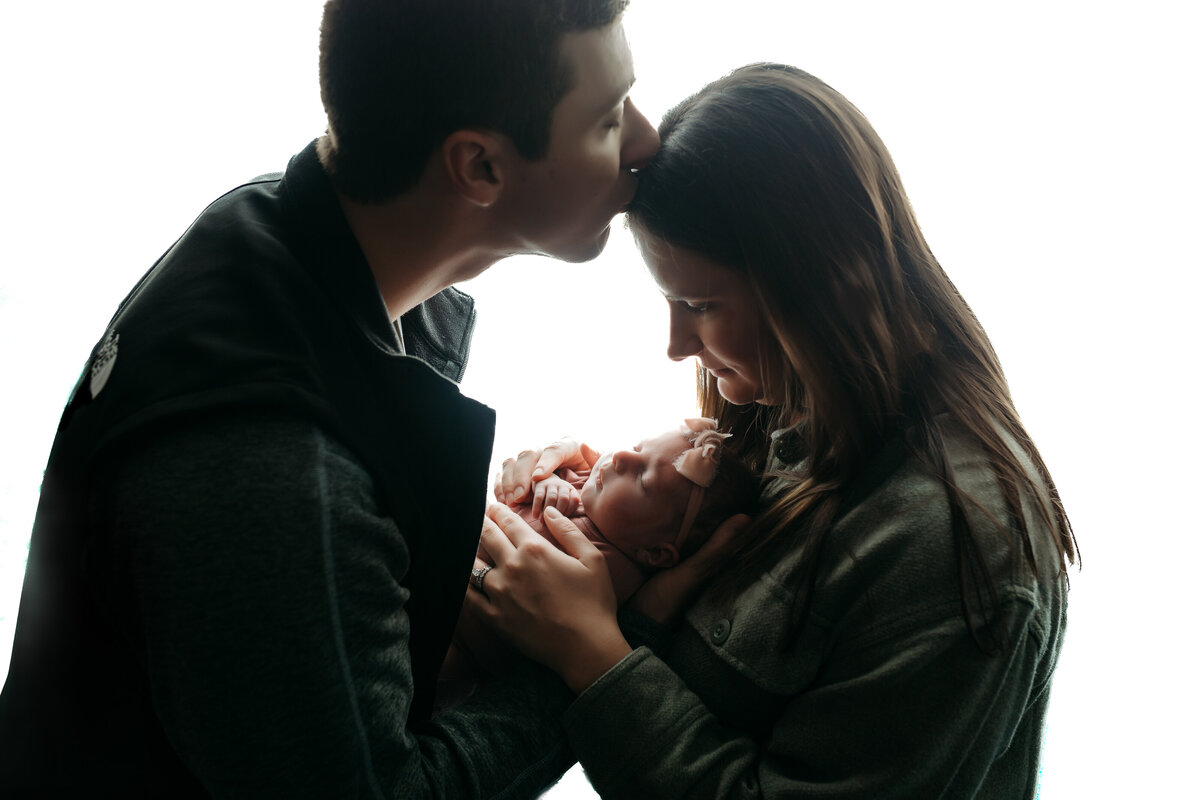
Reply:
x=699, y=465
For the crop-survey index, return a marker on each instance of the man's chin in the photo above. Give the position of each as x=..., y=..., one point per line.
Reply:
x=586, y=250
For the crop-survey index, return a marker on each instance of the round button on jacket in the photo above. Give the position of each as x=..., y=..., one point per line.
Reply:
x=720, y=631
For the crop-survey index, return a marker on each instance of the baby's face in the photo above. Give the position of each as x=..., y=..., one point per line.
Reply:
x=637, y=497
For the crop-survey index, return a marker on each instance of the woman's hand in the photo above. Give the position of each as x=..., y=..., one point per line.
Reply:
x=556, y=606
x=666, y=594
x=516, y=476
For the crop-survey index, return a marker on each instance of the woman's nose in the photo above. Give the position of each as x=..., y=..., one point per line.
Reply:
x=682, y=340
x=641, y=138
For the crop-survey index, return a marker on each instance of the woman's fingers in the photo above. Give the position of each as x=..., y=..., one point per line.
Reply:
x=492, y=541
x=667, y=593
x=571, y=539
x=509, y=524
x=555, y=605
x=715, y=552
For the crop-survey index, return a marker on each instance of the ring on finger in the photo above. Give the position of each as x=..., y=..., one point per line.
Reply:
x=477, y=576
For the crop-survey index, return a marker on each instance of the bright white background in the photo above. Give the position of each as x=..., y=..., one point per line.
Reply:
x=1049, y=148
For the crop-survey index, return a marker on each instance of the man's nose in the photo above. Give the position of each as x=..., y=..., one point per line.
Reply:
x=641, y=138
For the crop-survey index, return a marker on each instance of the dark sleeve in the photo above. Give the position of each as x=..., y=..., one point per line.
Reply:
x=270, y=600
x=907, y=717
x=641, y=631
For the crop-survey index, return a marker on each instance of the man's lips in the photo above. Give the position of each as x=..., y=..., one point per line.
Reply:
x=629, y=196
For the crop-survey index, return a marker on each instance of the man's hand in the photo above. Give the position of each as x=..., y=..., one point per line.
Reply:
x=515, y=479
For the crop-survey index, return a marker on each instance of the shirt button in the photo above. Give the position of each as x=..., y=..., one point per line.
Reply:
x=720, y=631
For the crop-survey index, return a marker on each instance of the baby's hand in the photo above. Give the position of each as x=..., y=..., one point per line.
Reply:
x=516, y=475
x=554, y=492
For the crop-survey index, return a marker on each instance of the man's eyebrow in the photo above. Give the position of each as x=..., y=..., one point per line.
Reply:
x=617, y=97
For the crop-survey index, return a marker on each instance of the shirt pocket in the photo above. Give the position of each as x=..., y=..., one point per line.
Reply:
x=750, y=633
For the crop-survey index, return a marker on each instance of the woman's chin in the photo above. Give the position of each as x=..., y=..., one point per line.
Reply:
x=737, y=392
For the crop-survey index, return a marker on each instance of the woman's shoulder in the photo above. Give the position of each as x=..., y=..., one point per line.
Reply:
x=895, y=555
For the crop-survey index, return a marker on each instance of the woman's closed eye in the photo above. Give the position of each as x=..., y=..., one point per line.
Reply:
x=694, y=306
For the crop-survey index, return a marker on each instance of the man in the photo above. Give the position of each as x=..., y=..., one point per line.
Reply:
x=245, y=568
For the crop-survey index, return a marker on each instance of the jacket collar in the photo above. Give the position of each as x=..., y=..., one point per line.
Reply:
x=332, y=254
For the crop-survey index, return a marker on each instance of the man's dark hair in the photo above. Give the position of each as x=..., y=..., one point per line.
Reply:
x=399, y=76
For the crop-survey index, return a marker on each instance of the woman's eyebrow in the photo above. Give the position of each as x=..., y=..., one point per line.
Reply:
x=686, y=297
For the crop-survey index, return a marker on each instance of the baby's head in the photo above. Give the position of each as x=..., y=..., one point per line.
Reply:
x=660, y=501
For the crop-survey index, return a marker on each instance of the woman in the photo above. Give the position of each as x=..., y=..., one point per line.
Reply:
x=892, y=619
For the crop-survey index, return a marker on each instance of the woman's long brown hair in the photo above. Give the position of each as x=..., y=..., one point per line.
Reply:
x=773, y=174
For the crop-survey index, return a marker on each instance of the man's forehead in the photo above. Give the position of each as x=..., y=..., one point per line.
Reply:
x=600, y=64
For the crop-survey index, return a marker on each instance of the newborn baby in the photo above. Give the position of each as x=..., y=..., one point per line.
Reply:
x=645, y=509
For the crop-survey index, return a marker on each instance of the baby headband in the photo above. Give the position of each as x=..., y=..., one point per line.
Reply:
x=699, y=465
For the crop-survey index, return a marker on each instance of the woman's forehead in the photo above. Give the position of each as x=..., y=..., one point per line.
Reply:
x=682, y=273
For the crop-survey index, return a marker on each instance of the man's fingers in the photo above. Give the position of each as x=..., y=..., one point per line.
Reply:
x=589, y=454
x=563, y=453
x=521, y=475
x=515, y=476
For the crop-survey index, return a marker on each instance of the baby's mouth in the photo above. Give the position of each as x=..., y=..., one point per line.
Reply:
x=600, y=467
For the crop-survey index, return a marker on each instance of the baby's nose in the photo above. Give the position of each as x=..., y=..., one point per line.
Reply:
x=623, y=459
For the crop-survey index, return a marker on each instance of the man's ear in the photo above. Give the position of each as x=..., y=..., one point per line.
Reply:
x=659, y=556
x=474, y=165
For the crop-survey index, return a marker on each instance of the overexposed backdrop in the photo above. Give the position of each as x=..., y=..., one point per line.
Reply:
x=1049, y=149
